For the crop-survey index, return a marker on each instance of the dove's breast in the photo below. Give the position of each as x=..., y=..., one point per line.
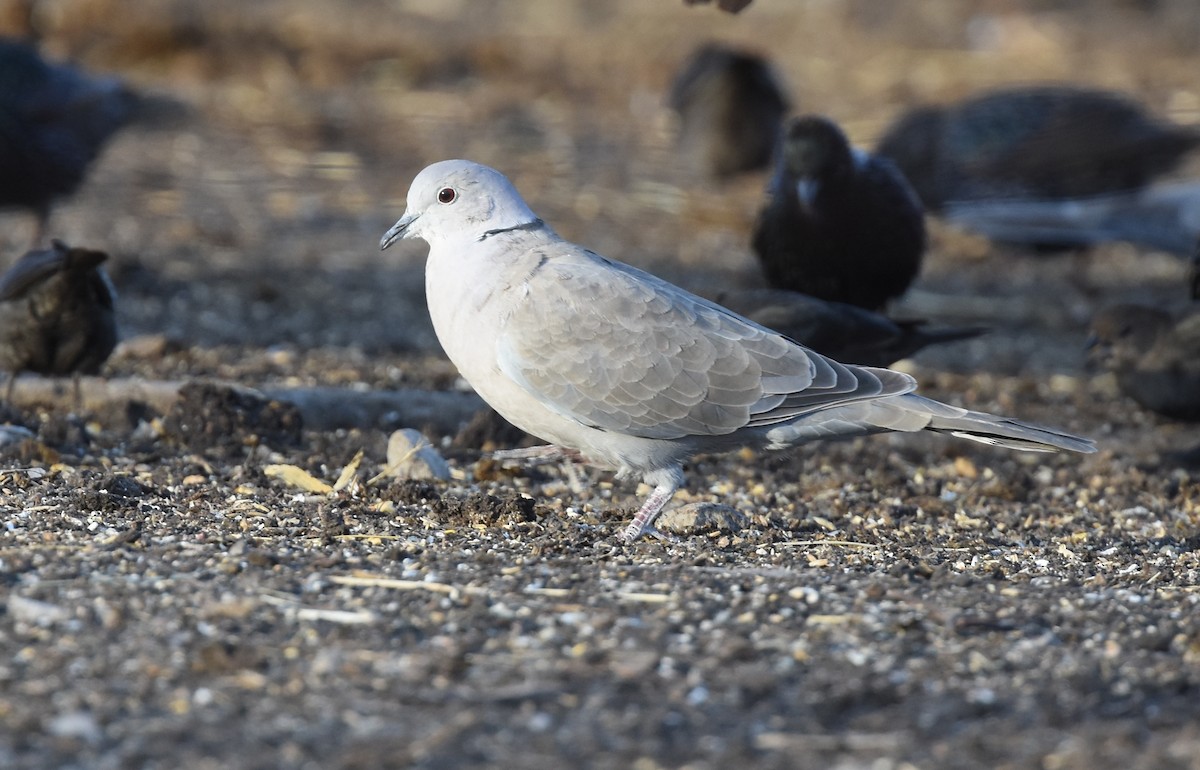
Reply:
x=470, y=294
x=463, y=293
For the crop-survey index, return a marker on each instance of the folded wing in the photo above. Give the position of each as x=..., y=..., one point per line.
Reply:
x=614, y=348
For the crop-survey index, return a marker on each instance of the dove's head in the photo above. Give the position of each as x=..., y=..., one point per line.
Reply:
x=459, y=200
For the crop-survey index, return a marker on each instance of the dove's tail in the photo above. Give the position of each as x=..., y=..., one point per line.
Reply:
x=995, y=430
x=910, y=413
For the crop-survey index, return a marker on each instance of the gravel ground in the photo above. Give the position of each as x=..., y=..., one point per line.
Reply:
x=172, y=598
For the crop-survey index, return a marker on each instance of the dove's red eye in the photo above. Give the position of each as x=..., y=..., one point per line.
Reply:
x=447, y=195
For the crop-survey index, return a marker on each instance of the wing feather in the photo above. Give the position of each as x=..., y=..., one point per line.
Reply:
x=615, y=348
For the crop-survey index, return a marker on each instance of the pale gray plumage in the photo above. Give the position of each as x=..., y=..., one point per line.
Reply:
x=632, y=372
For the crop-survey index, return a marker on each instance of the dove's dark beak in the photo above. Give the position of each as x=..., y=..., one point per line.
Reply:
x=398, y=231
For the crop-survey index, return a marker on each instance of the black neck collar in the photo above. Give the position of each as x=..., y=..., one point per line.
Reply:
x=532, y=225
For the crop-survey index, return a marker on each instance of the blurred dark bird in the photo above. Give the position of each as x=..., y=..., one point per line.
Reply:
x=1162, y=216
x=730, y=105
x=54, y=120
x=1154, y=355
x=1195, y=277
x=1033, y=143
x=729, y=6
x=56, y=314
x=839, y=224
x=843, y=332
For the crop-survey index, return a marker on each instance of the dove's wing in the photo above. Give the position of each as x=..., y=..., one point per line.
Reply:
x=614, y=348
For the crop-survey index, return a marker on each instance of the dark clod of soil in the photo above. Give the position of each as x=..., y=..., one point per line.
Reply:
x=111, y=493
x=217, y=415
x=486, y=510
x=488, y=431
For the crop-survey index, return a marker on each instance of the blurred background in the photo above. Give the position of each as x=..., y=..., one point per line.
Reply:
x=249, y=219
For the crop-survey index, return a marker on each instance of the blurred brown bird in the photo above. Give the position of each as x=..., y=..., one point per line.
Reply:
x=1154, y=355
x=730, y=105
x=56, y=314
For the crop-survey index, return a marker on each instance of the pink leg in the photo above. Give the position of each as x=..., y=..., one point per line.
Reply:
x=535, y=455
x=643, y=522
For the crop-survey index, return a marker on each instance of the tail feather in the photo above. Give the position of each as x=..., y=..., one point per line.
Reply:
x=911, y=413
x=994, y=429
